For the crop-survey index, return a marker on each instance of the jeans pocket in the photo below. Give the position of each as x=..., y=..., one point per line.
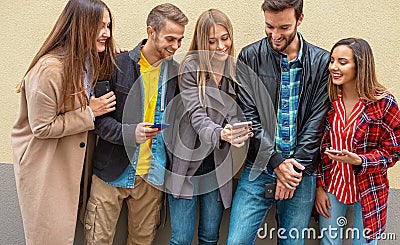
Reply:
x=90, y=218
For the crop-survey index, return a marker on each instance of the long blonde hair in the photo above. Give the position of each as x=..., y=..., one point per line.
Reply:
x=367, y=84
x=73, y=41
x=200, y=41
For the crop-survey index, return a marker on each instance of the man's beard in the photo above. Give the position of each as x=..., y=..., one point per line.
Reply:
x=288, y=41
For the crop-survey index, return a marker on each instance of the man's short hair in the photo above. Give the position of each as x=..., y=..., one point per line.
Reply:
x=157, y=16
x=280, y=5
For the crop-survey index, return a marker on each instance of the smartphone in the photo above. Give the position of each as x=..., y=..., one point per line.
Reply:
x=159, y=125
x=101, y=88
x=334, y=151
x=270, y=190
x=241, y=125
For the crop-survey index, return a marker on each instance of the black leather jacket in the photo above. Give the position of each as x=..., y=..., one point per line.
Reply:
x=260, y=75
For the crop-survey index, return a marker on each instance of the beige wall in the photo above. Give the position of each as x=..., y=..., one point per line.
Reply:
x=26, y=23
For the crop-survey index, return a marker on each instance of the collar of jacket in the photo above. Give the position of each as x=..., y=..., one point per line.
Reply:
x=134, y=54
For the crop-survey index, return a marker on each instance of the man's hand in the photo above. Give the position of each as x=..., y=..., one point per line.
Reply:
x=102, y=105
x=144, y=132
x=282, y=192
x=286, y=173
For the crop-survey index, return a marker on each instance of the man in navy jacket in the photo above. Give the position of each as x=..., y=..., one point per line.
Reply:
x=130, y=158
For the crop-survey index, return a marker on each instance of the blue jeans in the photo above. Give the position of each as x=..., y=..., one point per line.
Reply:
x=250, y=208
x=183, y=218
x=332, y=228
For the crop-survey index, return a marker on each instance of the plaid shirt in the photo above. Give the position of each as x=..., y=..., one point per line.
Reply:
x=289, y=102
x=377, y=142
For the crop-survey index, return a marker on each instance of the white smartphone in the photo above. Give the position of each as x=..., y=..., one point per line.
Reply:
x=334, y=151
x=241, y=125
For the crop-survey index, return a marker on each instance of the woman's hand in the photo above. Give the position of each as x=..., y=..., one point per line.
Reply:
x=346, y=157
x=237, y=137
x=102, y=105
x=322, y=203
x=120, y=50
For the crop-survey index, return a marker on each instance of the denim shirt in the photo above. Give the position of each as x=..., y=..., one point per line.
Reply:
x=158, y=156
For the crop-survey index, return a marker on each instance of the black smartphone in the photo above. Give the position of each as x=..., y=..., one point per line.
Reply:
x=101, y=88
x=270, y=190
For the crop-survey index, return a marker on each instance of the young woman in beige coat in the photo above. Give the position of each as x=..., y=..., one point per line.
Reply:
x=57, y=110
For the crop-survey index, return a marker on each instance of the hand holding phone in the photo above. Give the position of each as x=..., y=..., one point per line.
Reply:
x=241, y=125
x=101, y=88
x=160, y=126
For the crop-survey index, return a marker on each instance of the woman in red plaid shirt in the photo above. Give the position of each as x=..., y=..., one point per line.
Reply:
x=363, y=125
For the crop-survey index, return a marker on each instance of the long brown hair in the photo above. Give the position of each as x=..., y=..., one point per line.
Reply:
x=367, y=84
x=200, y=41
x=73, y=41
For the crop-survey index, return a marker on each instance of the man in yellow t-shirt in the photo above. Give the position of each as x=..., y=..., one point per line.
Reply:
x=130, y=157
x=150, y=77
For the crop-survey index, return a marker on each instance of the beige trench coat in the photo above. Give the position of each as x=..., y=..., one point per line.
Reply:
x=49, y=144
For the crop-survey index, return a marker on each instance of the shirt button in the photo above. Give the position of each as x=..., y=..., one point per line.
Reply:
x=284, y=105
x=82, y=144
x=285, y=123
x=285, y=87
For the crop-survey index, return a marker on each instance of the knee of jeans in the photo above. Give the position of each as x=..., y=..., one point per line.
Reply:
x=208, y=238
x=239, y=237
x=236, y=240
x=183, y=238
x=180, y=242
